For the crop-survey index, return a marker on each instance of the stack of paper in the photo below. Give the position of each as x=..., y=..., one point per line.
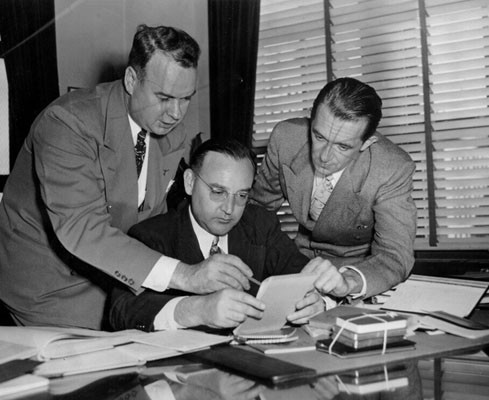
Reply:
x=67, y=351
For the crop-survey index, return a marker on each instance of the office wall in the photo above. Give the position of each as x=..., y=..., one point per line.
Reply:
x=93, y=39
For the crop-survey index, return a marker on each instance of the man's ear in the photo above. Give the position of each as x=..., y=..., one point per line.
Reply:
x=369, y=142
x=130, y=79
x=188, y=181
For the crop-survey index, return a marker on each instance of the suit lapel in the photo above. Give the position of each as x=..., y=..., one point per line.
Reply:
x=345, y=201
x=117, y=160
x=188, y=247
x=298, y=181
x=240, y=245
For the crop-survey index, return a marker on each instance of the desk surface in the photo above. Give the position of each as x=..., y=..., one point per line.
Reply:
x=445, y=374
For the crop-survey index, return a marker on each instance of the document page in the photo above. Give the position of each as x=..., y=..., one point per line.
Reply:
x=424, y=294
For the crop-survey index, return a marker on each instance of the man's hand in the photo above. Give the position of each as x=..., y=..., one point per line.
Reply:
x=223, y=309
x=217, y=272
x=330, y=281
x=312, y=304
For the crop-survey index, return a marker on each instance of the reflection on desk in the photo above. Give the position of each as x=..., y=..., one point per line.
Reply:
x=193, y=381
x=440, y=374
x=454, y=377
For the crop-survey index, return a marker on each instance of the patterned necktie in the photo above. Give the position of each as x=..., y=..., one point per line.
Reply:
x=320, y=197
x=215, y=249
x=140, y=150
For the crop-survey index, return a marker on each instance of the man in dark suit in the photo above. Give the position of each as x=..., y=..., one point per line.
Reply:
x=349, y=189
x=95, y=163
x=217, y=220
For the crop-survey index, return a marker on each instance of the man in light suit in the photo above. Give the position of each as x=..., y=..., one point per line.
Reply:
x=349, y=188
x=219, y=178
x=76, y=188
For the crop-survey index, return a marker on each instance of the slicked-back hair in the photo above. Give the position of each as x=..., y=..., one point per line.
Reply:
x=350, y=100
x=171, y=41
x=229, y=147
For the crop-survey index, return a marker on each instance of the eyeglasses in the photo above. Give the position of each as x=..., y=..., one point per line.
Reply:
x=220, y=195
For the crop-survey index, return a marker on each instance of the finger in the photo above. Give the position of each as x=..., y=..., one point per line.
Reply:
x=249, y=308
x=299, y=317
x=225, y=275
x=328, y=280
x=239, y=264
x=308, y=299
x=312, y=265
x=235, y=276
x=249, y=300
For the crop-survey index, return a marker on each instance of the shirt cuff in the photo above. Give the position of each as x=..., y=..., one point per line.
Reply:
x=364, y=281
x=159, y=277
x=165, y=319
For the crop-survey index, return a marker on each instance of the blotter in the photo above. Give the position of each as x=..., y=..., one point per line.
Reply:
x=255, y=365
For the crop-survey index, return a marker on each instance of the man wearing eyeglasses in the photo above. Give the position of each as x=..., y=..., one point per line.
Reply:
x=216, y=227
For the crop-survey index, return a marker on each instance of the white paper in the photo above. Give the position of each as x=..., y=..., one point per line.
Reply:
x=422, y=294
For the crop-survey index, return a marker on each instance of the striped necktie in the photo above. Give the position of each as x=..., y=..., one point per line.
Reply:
x=140, y=150
x=215, y=249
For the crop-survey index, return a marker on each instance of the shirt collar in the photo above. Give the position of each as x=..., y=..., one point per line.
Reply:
x=205, y=238
x=135, y=129
x=335, y=177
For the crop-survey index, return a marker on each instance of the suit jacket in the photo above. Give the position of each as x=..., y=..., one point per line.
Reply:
x=68, y=203
x=369, y=221
x=256, y=239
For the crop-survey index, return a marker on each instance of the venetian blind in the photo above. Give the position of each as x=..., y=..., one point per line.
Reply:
x=427, y=59
x=458, y=43
x=290, y=70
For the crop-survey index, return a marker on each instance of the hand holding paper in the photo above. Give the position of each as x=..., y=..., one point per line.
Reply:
x=312, y=304
x=280, y=294
x=217, y=272
x=223, y=309
x=330, y=280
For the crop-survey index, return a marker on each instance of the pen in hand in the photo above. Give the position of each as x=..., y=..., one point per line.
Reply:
x=256, y=282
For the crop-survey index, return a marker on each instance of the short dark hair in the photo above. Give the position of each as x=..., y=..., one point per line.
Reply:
x=173, y=42
x=229, y=147
x=350, y=99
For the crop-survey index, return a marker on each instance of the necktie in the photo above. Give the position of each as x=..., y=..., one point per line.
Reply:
x=215, y=249
x=140, y=150
x=320, y=197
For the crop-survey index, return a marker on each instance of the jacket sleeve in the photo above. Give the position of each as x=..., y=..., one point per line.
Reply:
x=392, y=250
x=267, y=189
x=127, y=311
x=73, y=191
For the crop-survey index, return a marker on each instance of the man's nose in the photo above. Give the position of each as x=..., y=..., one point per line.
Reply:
x=326, y=153
x=174, y=109
x=229, y=203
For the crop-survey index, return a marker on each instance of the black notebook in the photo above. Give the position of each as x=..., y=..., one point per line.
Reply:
x=255, y=365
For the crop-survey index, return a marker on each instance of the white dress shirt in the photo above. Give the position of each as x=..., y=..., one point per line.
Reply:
x=165, y=319
x=159, y=277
